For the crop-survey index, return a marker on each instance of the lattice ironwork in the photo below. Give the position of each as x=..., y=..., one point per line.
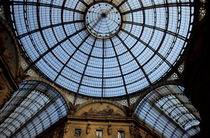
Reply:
x=168, y=111
x=32, y=109
x=103, y=48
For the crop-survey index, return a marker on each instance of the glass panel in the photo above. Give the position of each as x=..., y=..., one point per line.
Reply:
x=31, y=110
x=79, y=44
x=167, y=110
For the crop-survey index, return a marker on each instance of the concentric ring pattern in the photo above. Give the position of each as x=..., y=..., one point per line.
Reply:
x=103, y=20
x=151, y=38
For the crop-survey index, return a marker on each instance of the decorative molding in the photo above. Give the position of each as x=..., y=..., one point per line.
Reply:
x=92, y=102
x=104, y=112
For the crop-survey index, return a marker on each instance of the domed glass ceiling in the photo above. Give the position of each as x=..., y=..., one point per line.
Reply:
x=103, y=48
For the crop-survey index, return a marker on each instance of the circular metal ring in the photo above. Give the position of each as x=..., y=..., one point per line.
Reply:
x=103, y=20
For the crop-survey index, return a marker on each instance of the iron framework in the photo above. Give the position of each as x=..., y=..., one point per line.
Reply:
x=151, y=38
x=31, y=110
x=168, y=111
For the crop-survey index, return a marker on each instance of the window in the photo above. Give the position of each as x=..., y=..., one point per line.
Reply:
x=120, y=134
x=77, y=132
x=99, y=133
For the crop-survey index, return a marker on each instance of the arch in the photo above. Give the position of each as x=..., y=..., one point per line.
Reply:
x=154, y=110
x=36, y=106
x=115, y=109
x=57, y=88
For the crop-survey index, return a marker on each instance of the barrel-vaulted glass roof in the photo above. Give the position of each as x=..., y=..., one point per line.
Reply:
x=103, y=48
x=168, y=111
x=32, y=109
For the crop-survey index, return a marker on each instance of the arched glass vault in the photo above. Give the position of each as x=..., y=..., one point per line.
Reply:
x=102, y=48
x=32, y=109
x=168, y=111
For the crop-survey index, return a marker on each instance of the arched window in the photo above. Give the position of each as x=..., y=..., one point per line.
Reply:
x=168, y=111
x=31, y=110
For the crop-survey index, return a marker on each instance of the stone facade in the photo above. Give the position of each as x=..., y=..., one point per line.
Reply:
x=100, y=120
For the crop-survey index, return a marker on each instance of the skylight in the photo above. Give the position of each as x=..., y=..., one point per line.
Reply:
x=102, y=48
x=32, y=109
x=168, y=111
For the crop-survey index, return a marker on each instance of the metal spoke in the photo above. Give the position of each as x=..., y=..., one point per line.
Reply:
x=140, y=66
x=48, y=27
x=157, y=6
x=111, y=27
x=53, y=47
x=47, y=5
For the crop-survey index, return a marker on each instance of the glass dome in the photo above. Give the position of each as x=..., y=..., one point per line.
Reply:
x=102, y=48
